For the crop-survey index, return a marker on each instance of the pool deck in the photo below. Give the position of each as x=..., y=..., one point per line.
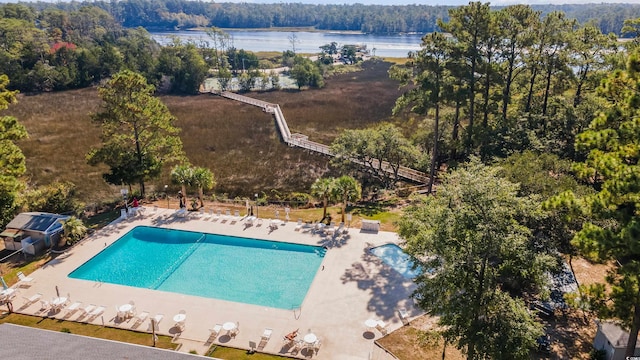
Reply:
x=351, y=287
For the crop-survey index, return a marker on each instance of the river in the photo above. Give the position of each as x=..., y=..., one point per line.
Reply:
x=306, y=42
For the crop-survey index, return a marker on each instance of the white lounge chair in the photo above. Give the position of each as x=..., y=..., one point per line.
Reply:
x=96, y=312
x=140, y=318
x=217, y=216
x=382, y=327
x=31, y=299
x=266, y=334
x=227, y=215
x=330, y=230
x=155, y=321
x=404, y=315
x=72, y=308
x=213, y=333
x=45, y=305
x=264, y=339
x=24, y=280
x=88, y=309
x=208, y=215
x=298, y=225
x=236, y=216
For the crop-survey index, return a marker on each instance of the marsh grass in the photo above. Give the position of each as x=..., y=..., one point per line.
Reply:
x=238, y=142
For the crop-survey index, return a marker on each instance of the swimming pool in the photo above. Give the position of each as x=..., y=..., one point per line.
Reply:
x=392, y=255
x=259, y=272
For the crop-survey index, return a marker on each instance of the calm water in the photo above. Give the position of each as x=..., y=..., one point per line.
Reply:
x=308, y=42
x=392, y=255
x=251, y=271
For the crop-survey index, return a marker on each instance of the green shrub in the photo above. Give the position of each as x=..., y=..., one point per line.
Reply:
x=299, y=199
x=57, y=198
x=600, y=354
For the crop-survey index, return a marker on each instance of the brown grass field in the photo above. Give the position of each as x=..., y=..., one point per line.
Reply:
x=238, y=142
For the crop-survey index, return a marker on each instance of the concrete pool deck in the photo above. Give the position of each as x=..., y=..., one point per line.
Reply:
x=350, y=287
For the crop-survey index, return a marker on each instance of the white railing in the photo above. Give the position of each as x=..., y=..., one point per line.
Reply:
x=302, y=141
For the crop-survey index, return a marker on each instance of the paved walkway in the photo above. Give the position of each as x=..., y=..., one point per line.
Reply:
x=351, y=287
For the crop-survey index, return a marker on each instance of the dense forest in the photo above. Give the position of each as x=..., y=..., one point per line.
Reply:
x=182, y=14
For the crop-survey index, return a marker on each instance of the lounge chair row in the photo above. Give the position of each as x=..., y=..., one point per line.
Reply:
x=89, y=312
x=321, y=228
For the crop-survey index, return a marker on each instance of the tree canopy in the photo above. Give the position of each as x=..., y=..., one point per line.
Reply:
x=12, y=160
x=611, y=166
x=474, y=246
x=138, y=132
x=373, y=148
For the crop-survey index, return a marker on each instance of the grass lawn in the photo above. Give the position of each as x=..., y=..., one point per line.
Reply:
x=132, y=337
x=227, y=353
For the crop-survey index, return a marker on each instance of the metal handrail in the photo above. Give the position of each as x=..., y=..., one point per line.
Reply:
x=402, y=171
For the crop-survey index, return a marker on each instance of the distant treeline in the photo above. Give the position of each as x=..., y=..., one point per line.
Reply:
x=376, y=19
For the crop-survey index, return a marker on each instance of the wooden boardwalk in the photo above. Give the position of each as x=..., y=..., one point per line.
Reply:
x=302, y=141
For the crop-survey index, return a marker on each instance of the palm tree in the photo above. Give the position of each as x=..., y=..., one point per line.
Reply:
x=345, y=189
x=321, y=189
x=183, y=175
x=203, y=179
x=74, y=230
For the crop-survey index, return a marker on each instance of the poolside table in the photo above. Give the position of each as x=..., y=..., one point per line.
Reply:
x=58, y=302
x=310, y=339
x=229, y=326
x=180, y=318
x=126, y=309
x=371, y=323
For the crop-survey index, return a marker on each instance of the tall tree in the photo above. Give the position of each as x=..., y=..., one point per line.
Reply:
x=517, y=28
x=184, y=64
x=203, y=179
x=183, y=176
x=221, y=41
x=137, y=130
x=590, y=47
x=425, y=72
x=469, y=25
x=346, y=188
x=321, y=189
x=472, y=234
x=378, y=150
x=612, y=166
x=12, y=160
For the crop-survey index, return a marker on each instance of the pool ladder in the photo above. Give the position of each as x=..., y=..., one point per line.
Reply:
x=177, y=263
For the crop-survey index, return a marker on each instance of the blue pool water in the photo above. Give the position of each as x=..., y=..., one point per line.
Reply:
x=392, y=255
x=259, y=272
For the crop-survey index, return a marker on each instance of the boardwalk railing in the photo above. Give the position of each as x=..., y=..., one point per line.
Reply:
x=302, y=141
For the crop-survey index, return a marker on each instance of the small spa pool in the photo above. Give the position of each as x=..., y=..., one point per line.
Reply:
x=252, y=271
x=392, y=255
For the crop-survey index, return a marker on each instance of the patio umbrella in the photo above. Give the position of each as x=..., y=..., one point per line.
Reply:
x=4, y=284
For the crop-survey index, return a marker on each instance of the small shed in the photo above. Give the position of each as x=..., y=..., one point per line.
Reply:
x=612, y=339
x=33, y=231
